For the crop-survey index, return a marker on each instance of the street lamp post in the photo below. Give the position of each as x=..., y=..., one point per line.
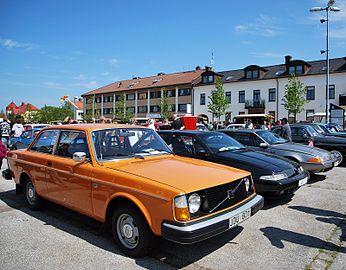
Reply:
x=327, y=9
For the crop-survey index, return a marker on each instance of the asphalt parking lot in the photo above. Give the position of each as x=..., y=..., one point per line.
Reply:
x=307, y=231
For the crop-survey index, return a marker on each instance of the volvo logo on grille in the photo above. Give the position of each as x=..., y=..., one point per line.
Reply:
x=230, y=194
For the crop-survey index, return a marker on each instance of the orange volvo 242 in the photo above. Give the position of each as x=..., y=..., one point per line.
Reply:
x=127, y=175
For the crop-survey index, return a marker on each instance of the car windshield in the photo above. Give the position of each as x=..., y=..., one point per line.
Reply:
x=121, y=143
x=319, y=129
x=219, y=142
x=313, y=131
x=270, y=137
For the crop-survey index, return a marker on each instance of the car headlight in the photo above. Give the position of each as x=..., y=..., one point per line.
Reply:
x=247, y=183
x=274, y=177
x=194, y=203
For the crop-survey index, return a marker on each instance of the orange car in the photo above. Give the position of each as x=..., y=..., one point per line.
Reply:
x=128, y=176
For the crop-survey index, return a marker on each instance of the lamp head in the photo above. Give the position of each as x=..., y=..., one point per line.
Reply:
x=315, y=9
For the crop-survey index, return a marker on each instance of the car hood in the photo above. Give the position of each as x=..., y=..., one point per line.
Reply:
x=185, y=174
x=331, y=139
x=300, y=148
x=257, y=160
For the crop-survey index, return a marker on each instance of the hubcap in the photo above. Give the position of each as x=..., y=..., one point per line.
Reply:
x=127, y=231
x=30, y=193
x=338, y=156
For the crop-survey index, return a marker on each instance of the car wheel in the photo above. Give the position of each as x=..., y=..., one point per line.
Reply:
x=32, y=198
x=338, y=155
x=131, y=231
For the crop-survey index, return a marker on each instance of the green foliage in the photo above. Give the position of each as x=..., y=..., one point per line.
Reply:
x=165, y=107
x=121, y=111
x=218, y=103
x=295, y=96
x=48, y=114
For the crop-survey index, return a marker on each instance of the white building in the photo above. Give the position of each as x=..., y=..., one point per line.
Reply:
x=257, y=89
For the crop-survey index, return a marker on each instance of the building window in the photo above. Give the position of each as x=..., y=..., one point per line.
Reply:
x=310, y=93
x=142, y=95
x=98, y=100
x=228, y=97
x=108, y=99
x=154, y=109
x=182, y=108
x=331, y=91
x=296, y=69
x=142, y=109
x=208, y=79
x=252, y=74
x=272, y=95
x=202, y=99
x=242, y=96
x=156, y=94
x=131, y=109
x=118, y=97
x=184, y=92
x=170, y=93
x=256, y=95
x=130, y=96
x=107, y=111
x=310, y=115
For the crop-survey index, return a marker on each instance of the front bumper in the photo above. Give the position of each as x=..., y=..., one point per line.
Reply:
x=199, y=230
x=280, y=187
x=318, y=167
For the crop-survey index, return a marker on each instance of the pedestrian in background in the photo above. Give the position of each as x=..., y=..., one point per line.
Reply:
x=286, y=130
x=17, y=129
x=3, y=151
x=5, y=132
x=177, y=123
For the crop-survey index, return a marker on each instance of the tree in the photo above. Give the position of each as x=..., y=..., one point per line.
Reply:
x=295, y=96
x=218, y=103
x=121, y=111
x=164, y=105
x=48, y=114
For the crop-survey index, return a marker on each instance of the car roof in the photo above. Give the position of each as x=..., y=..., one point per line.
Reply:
x=184, y=131
x=91, y=127
x=241, y=130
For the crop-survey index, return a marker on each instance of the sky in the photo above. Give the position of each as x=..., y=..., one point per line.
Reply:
x=53, y=48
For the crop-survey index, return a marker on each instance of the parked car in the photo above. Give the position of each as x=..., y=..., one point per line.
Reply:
x=322, y=129
x=301, y=133
x=273, y=176
x=24, y=140
x=312, y=159
x=128, y=176
x=236, y=126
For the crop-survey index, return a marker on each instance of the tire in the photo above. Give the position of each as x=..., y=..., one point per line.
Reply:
x=33, y=200
x=339, y=155
x=131, y=232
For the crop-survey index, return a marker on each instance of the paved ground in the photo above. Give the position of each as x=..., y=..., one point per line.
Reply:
x=307, y=231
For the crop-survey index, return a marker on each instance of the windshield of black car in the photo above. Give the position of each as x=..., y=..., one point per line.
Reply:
x=270, y=137
x=312, y=131
x=219, y=142
x=120, y=143
x=319, y=129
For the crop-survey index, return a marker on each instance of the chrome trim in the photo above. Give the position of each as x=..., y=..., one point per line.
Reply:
x=228, y=215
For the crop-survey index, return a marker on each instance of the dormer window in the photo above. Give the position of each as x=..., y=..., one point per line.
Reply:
x=208, y=78
x=296, y=69
x=252, y=74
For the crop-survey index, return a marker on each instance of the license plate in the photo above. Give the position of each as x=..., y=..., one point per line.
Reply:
x=235, y=220
x=302, y=181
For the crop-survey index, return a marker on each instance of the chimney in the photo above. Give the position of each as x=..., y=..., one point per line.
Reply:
x=161, y=73
x=198, y=68
x=288, y=59
x=135, y=78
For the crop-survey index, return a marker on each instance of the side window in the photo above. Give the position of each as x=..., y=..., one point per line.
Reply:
x=45, y=142
x=71, y=142
x=295, y=131
x=278, y=131
x=182, y=145
x=166, y=137
x=302, y=131
x=257, y=141
x=243, y=138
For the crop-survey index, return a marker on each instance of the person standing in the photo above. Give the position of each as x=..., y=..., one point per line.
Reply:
x=3, y=151
x=177, y=123
x=17, y=129
x=5, y=132
x=286, y=130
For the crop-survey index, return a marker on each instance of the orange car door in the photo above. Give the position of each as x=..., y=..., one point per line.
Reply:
x=69, y=182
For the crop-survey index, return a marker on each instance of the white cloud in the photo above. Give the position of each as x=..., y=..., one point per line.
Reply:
x=80, y=77
x=91, y=84
x=113, y=61
x=12, y=44
x=263, y=26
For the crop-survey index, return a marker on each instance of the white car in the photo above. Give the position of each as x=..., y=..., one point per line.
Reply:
x=235, y=126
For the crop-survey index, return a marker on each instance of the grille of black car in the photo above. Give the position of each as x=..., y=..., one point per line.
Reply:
x=215, y=195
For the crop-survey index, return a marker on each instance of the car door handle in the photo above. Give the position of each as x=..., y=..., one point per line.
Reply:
x=49, y=163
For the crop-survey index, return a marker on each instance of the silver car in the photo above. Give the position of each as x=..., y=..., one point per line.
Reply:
x=312, y=159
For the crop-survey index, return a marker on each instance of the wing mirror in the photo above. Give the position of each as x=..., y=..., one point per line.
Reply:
x=263, y=145
x=79, y=156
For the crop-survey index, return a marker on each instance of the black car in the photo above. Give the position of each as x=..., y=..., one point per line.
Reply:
x=322, y=129
x=272, y=175
x=312, y=159
x=302, y=133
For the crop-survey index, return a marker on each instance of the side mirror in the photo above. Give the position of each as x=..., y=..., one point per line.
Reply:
x=79, y=157
x=201, y=152
x=263, y=145
x=305, y=136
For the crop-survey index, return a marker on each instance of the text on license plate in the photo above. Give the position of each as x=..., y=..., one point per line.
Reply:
x=235, y=220
x=302, y=181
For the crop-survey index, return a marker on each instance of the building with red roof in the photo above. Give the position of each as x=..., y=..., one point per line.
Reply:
x=21, y=109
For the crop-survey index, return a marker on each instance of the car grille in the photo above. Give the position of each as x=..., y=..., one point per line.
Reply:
x=215, y=195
